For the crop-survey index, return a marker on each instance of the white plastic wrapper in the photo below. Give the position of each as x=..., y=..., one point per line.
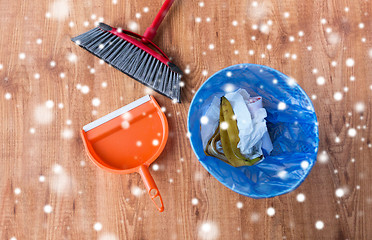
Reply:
x=212, y=118
x=250, y=116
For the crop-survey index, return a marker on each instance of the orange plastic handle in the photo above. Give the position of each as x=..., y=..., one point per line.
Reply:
x=151, y=187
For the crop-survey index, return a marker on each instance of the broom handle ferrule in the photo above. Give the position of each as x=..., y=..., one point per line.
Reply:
x=151, y=31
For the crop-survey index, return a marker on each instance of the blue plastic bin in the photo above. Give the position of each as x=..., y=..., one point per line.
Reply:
x=292, y=125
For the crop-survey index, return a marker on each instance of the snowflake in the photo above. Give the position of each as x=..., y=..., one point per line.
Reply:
x=304, y=165
x=49, y=104
x=17, y=191
x=282, y=174
x=204, y=120
x=97, y=226
x=264, y=28
x=155, y=167
x=224, y=125
x=41, y=178
x=337, y=96
x=282, y=106
x=72, y=57
x=133, y=26
x=323, y=157
x=136, y=191
x=48, y=208
x=359, y=107
x=155, y=142
x=340, y=192
x=59, y=9
x=96, y=102
x=352, y=132
x=7, y=96
x=270, y=211
x=84, y=89
x=300, y=197
x=208, y=230
x=67, y=133
x=110, y=236
x=125, y=124
x=319, y=225
x=350, y=62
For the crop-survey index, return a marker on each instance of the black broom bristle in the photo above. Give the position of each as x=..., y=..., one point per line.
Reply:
x=132, y=60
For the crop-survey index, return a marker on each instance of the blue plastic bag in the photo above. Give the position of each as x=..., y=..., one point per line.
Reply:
x=291, y=122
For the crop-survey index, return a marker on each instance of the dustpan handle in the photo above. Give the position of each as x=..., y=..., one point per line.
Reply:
x=151, y=31
x=151, y=187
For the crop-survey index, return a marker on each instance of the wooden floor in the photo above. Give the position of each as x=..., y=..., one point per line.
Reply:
x=49, y=189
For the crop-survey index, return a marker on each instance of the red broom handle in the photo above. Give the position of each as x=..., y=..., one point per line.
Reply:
x=151, y=31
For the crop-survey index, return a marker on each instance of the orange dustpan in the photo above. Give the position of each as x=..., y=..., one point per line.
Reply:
x=129, y=140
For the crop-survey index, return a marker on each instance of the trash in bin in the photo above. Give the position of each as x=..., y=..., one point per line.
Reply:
x=291, y=122
x=234, y=129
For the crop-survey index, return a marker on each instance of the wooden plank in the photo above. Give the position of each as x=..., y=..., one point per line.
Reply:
x=42, y=154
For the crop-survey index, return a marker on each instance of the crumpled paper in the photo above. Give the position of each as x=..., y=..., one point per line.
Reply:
x=250, y=116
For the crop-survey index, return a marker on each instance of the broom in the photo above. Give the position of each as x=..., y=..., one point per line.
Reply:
x=135, y=55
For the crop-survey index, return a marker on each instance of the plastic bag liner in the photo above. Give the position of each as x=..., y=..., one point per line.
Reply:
x=291, y=122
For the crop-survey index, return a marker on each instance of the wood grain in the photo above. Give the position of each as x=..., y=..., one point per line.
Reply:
x=81, y=195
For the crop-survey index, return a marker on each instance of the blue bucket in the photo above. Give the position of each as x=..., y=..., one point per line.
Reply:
x=291, y=122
